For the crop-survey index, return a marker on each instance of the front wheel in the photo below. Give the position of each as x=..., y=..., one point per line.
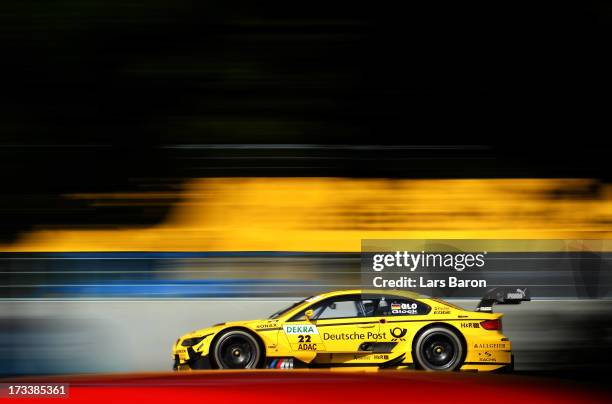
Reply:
x=438, y=348
x=237, y=349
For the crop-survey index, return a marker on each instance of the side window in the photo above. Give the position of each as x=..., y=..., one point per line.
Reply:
x=340, y=309
x=369, y=307
x=316, y=308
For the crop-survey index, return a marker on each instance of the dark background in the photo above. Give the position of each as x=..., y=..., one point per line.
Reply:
x=102, y=96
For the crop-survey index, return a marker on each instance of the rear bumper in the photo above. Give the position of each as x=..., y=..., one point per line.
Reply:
x=507, y=368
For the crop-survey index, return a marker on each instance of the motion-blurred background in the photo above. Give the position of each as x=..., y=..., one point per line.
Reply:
x=166, y=165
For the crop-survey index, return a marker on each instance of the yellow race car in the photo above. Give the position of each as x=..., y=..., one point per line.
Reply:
x=359, y=328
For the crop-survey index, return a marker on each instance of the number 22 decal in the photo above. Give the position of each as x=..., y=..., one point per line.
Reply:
x=303, y=338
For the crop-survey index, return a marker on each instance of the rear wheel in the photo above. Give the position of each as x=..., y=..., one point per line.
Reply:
x=438, y=348
x=237, y=349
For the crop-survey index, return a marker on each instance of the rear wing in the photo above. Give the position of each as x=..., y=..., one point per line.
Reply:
x=502, y=296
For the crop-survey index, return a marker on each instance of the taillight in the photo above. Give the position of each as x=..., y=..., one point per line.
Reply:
x=491, y=324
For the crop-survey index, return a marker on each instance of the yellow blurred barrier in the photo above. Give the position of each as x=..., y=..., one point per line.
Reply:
x=334, y=214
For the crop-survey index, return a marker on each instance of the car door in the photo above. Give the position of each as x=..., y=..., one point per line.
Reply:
x=343, y=327
x=401, y=318
x=336, y=326
x=301, y=335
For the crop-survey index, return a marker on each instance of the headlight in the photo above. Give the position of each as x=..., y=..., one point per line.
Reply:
x=193, y=341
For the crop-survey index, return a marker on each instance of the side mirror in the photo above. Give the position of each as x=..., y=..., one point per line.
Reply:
x=308, y=314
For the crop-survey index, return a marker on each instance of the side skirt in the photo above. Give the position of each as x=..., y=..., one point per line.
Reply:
x=293, y=363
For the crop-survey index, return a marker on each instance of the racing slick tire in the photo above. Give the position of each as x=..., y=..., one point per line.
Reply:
x=438, y=349
x=237, y=349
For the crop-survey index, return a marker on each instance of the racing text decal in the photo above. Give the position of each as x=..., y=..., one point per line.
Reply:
x=300, y=329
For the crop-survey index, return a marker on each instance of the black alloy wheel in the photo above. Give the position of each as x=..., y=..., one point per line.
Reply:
x=237, y=349
x=439, y=349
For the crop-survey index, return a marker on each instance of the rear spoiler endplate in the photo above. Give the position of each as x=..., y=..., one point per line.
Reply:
x=503, y=295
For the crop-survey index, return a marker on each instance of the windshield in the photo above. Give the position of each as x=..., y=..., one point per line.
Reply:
x=285, y=310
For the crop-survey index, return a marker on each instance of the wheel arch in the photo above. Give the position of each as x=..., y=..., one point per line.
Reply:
x=449, y=327
x=259, y=340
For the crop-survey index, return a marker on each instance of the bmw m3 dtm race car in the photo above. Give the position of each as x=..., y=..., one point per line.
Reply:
x=359, y=328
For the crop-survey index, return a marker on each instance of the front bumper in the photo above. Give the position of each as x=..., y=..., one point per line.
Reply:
x=194, y=361
x=194, y=356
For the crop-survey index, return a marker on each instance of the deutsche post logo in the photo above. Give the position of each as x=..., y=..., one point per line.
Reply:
x=398, y=332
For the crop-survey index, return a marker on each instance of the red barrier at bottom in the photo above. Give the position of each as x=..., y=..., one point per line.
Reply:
x=297, y=386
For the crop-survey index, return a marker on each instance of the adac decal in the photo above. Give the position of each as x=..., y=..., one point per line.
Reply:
x=307, y=347
x=398, y=332
x=300, y=329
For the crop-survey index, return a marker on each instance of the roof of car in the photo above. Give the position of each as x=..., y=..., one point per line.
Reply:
x=321, y=296
x=404, y=293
